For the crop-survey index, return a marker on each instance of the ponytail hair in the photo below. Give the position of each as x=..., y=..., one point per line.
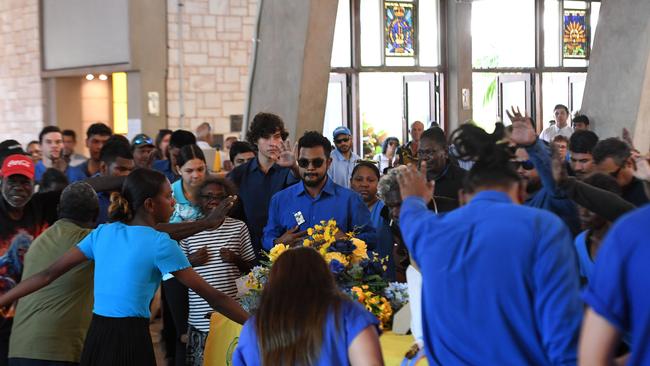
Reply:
x=140, y=185
x=491, y=155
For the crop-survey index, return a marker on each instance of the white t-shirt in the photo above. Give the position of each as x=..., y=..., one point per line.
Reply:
x=232, y=234
x=553, y=130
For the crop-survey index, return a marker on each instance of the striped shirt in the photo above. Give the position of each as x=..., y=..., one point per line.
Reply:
x=232, y=234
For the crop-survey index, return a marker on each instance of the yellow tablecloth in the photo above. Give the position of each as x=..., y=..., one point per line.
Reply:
x=395, y=346
x=218, y=349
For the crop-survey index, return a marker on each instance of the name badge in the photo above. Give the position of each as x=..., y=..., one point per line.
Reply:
x=299, y=218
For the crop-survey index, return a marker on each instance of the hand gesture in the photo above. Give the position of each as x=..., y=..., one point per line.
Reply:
x=414, y=183
x=228, y=255
x=627, y=136
x=558, y=167
x=199, y=258
x=216, y=217
x=287, y=157
x=59, y=164
x=523, y=132
x=291, y=237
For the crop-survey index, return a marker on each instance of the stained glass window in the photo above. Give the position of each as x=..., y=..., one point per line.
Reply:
x=575, y=39
x=399, y=29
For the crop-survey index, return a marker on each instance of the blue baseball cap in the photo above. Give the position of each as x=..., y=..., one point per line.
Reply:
x=341, y=130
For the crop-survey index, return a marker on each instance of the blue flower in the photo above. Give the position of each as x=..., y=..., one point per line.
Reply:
x=336, y=267
x=372, y=268
x=342, y=246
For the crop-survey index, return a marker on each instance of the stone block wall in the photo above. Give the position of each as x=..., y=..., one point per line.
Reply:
x=217, y=42
x=21, y=87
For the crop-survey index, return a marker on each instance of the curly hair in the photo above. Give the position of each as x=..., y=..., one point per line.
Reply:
x=264, y=125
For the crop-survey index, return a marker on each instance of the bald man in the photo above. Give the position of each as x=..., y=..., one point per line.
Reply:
x=408, y=153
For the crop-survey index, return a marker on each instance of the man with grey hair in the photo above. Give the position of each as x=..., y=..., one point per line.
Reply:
x=50, y=325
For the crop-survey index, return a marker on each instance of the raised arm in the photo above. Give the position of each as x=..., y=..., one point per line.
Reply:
x=217, y=299
x=69, y=260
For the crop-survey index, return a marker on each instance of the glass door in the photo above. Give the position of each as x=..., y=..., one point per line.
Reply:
x=336, y=107
x=514, y=90
x=421, y=101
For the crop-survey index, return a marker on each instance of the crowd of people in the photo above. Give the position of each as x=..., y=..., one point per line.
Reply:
x=503, y=238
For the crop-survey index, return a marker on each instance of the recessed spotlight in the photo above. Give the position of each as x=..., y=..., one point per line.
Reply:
x=103, y=77
x=90, y=77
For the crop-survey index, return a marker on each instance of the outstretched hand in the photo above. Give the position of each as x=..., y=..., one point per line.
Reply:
x=414, y=183
x=558, y=167
x=218, y=215
x=287, y=157
x=523, y=132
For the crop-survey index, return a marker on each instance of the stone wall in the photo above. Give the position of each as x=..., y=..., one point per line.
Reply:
x=217, y=42
x=21, y=87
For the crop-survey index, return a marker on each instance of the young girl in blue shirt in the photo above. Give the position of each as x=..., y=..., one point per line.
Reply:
x=304, y=319
x=130, y=258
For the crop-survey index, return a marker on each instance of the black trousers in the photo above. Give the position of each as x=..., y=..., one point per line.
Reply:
x=175, y=298
x=34, y=362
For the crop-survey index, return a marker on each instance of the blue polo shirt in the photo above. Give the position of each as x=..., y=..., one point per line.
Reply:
x=619, y=289
x=72, y=173
x=550, y=197
x=500, y=283
x=165, y=167
x=255, y=192
x=337, y=337
x=334, y=202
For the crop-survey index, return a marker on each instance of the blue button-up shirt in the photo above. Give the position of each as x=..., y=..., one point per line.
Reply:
x=340, y=171
x=73, y=174
x=255, y=192
x=333, y=202
x=500, y=283
x=550, y=197
x=165, y=167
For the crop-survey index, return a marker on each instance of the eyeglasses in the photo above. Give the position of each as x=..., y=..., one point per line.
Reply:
x=526, y=164
x=338, y=141
x=213, y=197
x=316, y=163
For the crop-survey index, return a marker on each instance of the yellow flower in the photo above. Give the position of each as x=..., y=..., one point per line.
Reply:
x=310, y=231
x=276, y=251
x=360, y=252
x=336, y=255
x=306, y=243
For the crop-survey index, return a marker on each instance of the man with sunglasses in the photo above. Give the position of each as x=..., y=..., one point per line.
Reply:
x=295, y=209
x=343, y=158
x=533, y=163
x=142, y=147
x=614, y=157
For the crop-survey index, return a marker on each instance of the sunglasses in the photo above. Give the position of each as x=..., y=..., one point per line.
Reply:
x=338, y=141
x=316, y=163
x=142, y=141
x=526, y=164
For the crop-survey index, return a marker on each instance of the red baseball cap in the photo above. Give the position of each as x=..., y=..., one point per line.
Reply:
x=17, y=164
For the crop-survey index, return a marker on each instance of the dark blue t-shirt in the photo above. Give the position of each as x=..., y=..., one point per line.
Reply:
x=619, y=289
x=353, y=319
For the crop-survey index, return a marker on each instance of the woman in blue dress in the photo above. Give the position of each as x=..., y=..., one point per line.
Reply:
x=130, y=258
x=304, y=319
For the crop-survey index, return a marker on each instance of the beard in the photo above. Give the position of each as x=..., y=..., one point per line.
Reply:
x=313, y=183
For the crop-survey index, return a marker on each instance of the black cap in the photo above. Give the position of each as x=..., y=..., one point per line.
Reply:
x=10, y=147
